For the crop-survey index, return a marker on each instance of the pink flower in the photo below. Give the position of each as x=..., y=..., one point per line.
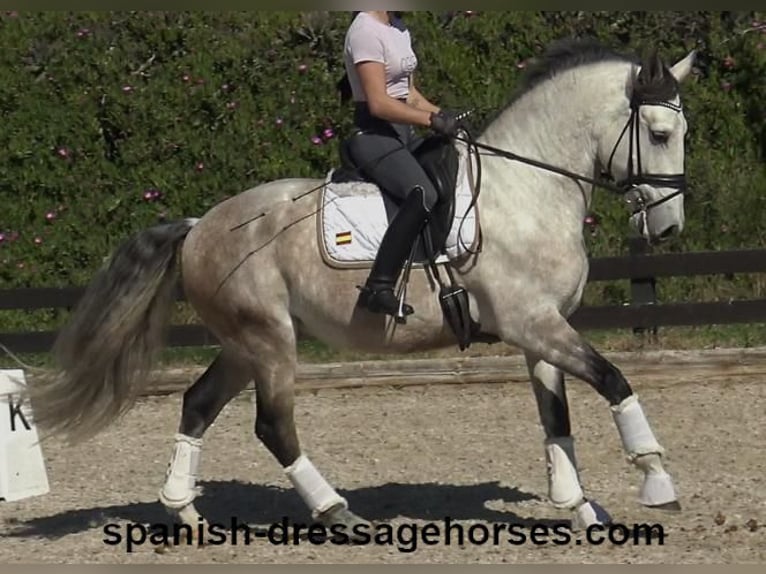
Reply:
x=302, y=68
x=21, y=265
x=316, y=140
x=279, y=121
x=521, y=65
x=728, y=62
x=151, y=194
x=50, y=216
x=469, y=13
x=127, y=89
x=328, y=133
x=199, y=166
x=186, y=78
x=2, y=237
x=63, y=153
x=232, y=105
x=38, y=240
x=83, y=33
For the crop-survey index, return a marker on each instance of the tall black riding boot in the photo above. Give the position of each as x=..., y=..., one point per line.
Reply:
x=378, y=292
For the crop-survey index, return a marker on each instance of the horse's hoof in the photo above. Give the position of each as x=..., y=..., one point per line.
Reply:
x=672, y=506
x=342, y=522
x=658, y=491
x=589, y=513
x=187, y=515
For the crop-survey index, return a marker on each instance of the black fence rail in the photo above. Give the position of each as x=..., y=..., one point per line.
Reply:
x=643, y=312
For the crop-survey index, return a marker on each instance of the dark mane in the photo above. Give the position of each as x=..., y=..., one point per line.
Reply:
x=564, y=55
x=571, y=53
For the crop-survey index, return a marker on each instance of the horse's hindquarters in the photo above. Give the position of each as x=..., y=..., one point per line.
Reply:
x=270, y=270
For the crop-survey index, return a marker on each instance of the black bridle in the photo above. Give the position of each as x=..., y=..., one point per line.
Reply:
x=635, y=176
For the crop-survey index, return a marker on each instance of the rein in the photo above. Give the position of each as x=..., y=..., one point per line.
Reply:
x=542, y=165
x=635, y=175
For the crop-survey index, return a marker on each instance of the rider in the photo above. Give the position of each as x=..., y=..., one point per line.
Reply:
x=379, y=63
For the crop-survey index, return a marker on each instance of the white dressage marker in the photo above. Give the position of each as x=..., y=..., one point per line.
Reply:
x=22, y=469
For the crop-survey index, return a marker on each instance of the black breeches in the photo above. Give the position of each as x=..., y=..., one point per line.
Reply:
x=389, y=162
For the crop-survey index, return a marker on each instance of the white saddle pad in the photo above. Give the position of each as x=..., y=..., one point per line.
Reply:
x=353, y=218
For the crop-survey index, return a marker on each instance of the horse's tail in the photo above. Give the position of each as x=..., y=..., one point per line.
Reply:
x=104, y=353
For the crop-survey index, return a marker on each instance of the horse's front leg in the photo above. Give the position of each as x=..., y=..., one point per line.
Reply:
x=549, y=336
x=564, y=487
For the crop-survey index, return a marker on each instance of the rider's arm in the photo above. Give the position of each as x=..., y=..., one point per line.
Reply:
x=418, y=100
x=372, y=76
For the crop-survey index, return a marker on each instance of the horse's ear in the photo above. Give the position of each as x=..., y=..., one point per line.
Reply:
x=683, y=68
x=652, y=68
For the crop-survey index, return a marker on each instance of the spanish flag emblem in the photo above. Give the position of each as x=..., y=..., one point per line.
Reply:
x=343, y=238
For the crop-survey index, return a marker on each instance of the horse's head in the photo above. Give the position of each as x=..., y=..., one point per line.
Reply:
x=643, y=149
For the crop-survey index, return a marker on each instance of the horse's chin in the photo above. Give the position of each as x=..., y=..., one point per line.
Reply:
x=654, y=234
x=667, y=234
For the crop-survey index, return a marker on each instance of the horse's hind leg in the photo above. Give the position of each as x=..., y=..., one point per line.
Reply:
x=273, y=365
x=202, y=402
x=550, y=336
x=564, y=488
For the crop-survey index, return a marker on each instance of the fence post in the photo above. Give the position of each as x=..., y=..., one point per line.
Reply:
x=643, y=290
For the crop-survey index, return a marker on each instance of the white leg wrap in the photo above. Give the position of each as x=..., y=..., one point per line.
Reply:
x=315, y=491
x=564, y=487
x=181, y=476
x=637, y=436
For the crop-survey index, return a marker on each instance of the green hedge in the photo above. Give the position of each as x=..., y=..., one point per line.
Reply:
x=111, y=120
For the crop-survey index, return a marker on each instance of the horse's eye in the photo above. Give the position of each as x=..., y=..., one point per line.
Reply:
x=659, y=136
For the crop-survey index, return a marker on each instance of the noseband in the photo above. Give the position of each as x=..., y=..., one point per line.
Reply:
x=636, y=176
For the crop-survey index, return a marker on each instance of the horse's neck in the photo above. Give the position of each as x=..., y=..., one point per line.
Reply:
x=555, y=123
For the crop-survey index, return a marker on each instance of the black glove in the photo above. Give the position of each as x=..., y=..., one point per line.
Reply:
x=445, y=123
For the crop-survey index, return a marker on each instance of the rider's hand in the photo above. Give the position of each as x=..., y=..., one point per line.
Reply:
x=445, y=123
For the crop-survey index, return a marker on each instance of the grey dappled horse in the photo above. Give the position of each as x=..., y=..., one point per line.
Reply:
x=252, y=270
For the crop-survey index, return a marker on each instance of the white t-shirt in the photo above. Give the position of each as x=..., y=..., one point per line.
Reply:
x=370, y=40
